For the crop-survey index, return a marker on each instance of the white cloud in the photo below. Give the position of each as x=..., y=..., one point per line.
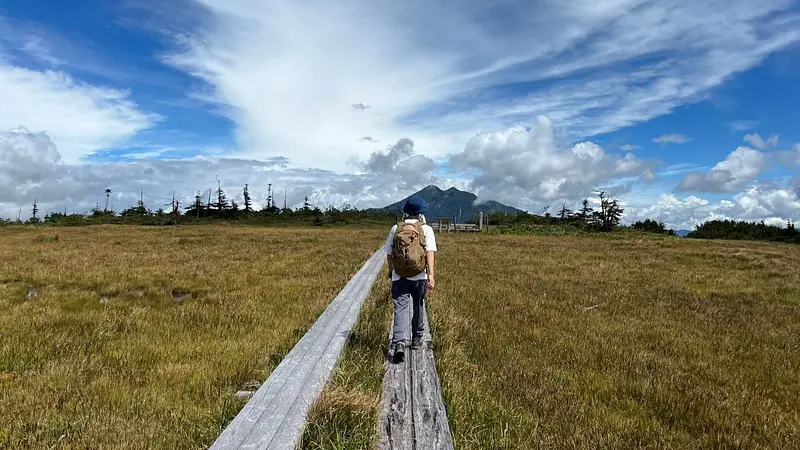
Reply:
x=673, y=138
x=739, y=168
x=527, y=168
x=435, y=71
x=37, y=170
x=629, y=147
x=789, y=158
x=401, y=165
x=758, y=142
x=743, y=125
x=772, y=205
x=80, y=118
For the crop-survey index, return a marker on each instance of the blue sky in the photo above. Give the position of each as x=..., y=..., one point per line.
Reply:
x=529, y=103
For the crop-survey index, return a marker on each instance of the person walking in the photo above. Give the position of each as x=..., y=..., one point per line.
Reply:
x=410, y=248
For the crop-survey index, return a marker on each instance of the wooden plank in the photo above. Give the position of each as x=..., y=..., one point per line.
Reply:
x=276, y=414
x=413, y=415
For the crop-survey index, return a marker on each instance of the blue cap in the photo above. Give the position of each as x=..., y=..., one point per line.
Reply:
x=415, y=205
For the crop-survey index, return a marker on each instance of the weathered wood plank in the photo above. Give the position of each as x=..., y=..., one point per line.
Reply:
x=275, y=415
x=413, y=415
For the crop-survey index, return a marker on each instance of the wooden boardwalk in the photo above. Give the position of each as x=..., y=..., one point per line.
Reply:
x=413, y=415
x=276, y=414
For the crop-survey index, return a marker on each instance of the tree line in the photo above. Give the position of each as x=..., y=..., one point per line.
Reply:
x=605, y=218
x=752, y=231
x=214, y=207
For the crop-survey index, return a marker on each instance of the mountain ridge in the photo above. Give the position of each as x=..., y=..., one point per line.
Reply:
x=453, y=203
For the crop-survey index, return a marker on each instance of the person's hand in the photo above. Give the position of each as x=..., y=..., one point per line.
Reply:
x=431, y=283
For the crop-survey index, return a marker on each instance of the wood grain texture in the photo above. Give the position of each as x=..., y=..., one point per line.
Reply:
x=276, y=414
x=413, y=415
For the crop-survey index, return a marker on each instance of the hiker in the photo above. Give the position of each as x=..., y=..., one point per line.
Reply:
x=410, y=249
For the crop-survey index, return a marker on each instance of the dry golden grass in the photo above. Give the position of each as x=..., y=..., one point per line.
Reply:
x=599, y=343
x=586, y=342
x=131, y=337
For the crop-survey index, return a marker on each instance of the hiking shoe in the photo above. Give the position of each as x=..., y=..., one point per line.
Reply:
x=399, y=352
x=416, y=343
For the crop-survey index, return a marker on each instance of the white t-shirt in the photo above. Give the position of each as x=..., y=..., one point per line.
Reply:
x=430, y=245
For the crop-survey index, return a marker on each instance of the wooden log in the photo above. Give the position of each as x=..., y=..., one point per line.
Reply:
x=413, y=415
x=275, y=415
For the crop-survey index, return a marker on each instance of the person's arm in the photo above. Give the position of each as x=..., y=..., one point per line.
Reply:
x=388, y=250
x=429, y=259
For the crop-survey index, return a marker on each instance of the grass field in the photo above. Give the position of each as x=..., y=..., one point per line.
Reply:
x=130, y=337
x=586, y=342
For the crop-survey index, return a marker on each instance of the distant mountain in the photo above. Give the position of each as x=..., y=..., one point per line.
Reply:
x=454, y=204
x=683, y=233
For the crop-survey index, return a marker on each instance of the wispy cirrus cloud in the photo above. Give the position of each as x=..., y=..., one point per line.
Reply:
x=466, y=67
x=81, y=118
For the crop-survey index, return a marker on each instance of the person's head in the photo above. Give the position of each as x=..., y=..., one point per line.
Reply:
x=415, y=206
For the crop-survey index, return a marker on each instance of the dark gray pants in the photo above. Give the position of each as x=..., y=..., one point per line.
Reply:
x=403, y=293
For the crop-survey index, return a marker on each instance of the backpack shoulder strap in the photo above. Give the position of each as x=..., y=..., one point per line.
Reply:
x=418, y=225
x=397, y=227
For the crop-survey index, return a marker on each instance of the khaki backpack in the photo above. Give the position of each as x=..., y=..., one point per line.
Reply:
x=408, y=249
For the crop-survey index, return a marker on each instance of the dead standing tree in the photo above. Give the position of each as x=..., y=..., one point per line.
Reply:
x=108, y=194
x=608, y=218
x=248, y=204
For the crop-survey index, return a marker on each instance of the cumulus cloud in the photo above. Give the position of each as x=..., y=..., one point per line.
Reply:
x=27, y=159
x=401, y=165
x=789, y=158
x=774, y=205
x=740, y=168
x=758, y=142
x=672, y=138
x=516, y=164
x=35, y=169
x=676, y=213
